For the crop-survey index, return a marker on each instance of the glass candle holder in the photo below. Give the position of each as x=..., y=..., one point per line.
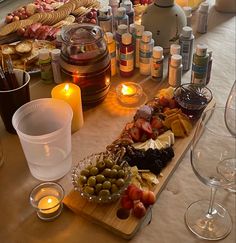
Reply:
x=129, y=93
x=47, y=198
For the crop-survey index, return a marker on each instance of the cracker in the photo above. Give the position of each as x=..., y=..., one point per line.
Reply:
x=9, y=28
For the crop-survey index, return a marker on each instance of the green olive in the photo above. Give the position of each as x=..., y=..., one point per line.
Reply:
x=113, y=173
x=117, y=167
x=100, y=178
x=82, y=179
x=121, y=173
x=108, y=163
x=84, y=172
x=89, y=190
x=93, y=171
x=112, y=180
x=120, y=182
x=91, y=181
x=106, y=185
x=104, y=193
x=106, y=172
x=114, y=188
x=98, y=188
x=101, y=165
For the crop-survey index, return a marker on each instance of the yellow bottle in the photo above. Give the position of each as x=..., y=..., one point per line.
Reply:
x=111, y=44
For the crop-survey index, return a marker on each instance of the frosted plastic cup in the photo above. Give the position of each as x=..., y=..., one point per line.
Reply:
x=44, y=129
x=11, y=100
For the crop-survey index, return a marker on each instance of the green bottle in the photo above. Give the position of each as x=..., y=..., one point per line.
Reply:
x=45, y=66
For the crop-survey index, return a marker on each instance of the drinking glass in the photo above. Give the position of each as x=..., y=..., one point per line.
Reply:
x=230, y=111
x=213, y=161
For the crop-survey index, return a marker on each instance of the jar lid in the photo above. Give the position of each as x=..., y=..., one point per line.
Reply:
x=139, y=30
x=44, y=54
x=204, y=7
x=201, y=50
x=55, y=54
x=187, y=32
x=187, y=11
x=121, y=11
x=146, y=36
x=157, y=52
x=108, y=37
x=174, y=49
x=126, y=38
x=132, y=28
x=122, y=28
x=164, y=3
x=176, y=60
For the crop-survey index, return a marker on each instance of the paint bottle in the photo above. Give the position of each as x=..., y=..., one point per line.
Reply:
x=126, y=56
x=186, y=40
x=56, y=68
x=199, y=65
x=202, y=20
x=209, y=67
x=45, y=66
x=188, y=14
x=145, y=53
x=114, y=6
x=121, y=17
x=139, y=29
x=111, y=44
x=174, y=50
x=122, y=29
x=175, y=71
x=105, y=19
x=157, y=63
x=128, y=5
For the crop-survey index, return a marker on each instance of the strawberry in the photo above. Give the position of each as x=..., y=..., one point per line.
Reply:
x=156, y=122
x=146, y=126
x=164, y=102
x=138, y=123
x=135, y=133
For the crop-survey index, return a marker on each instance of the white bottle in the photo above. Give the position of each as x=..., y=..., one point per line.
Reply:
x=188, y=14
x=202, y=19
x=157, y=63
x=175, y=71
x=121, y=17
x=120, y=31
x=145, y=53
x=114, y=5
x=174, y=49
x=139, y=29
x=186, y=40
x=111, y=44
x=56, y=68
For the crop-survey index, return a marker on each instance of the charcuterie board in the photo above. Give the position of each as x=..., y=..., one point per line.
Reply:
x=105, y=215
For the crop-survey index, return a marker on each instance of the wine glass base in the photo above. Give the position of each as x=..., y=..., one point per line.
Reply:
x=206, y=226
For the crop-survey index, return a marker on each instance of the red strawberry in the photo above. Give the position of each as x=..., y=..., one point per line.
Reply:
x=164, y=102
x=129, y=125
x=135, y=133
x=139, y=122
x=156, y=122
x=146, y=126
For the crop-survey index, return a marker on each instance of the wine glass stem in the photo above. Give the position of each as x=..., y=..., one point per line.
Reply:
x=212, y=199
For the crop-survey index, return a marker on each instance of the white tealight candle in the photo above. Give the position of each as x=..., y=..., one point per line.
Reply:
x=48, y=204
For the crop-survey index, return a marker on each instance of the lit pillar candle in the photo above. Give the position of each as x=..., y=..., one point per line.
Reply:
x=71, y=93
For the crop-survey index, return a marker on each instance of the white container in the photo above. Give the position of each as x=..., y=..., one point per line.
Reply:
x=44, y=129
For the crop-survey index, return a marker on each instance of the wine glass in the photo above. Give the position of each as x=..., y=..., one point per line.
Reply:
x=213, y=159
x=230, y=111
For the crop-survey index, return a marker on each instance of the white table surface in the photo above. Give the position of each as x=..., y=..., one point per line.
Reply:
x=18, y=221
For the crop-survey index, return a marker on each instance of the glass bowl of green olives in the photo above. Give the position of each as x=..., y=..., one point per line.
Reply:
x=100, y=178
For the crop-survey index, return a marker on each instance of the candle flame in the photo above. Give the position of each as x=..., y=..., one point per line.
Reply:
x=49, y=200
x=66, y=88
x=127, y=90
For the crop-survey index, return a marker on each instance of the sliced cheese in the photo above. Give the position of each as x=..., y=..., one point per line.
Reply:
x=150, y=143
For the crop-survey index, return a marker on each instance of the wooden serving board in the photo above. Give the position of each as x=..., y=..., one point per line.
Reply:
x=106, y=214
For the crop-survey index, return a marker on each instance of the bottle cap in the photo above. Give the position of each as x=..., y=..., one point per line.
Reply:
x=121, y=11
x=164, y=3
x=55, y=54
x=201, y=50
x=204, y=7
x=139, y=30
x=175, y=49
x=157, y=52
x=146, y=36
x=109, y=10
x=44, y=54
x=113, y=2
x=132, y=28
x=122, y=28
x=176, y=60
x=187, y=11
x=126, y=38
x=103, y=12
x=187, y=32
x=108, y=37
x=128, y=5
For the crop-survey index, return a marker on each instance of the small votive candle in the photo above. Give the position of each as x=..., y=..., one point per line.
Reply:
x=129, y=93
x=47, y=198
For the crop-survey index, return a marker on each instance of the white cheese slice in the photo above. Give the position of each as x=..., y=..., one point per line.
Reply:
x=169, y=134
